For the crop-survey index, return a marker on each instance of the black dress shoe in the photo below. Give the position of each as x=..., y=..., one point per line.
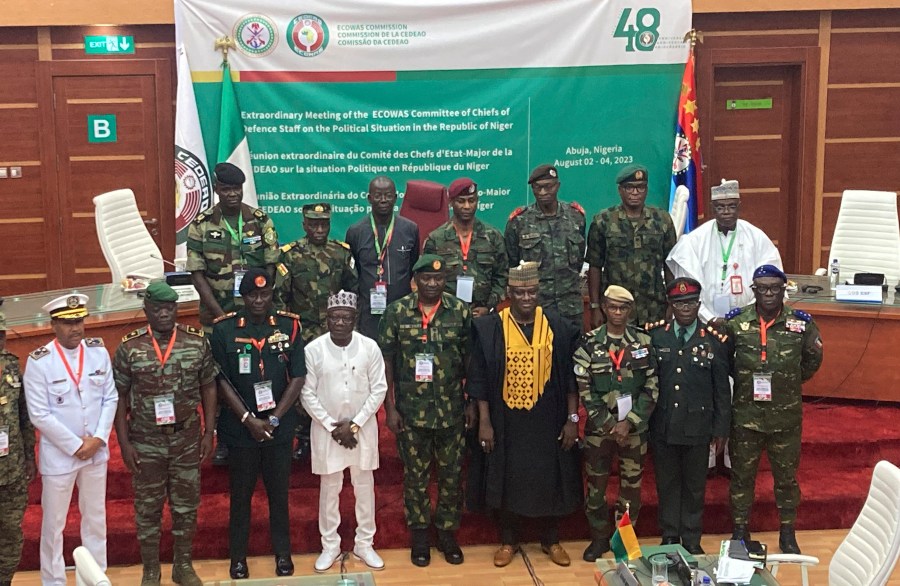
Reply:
x=694, y=549
x=420, y=552
x=448, y=546
x=239, y=570
x=284, y=566
x=670, y=541
x=787, y=540
x=595, y=550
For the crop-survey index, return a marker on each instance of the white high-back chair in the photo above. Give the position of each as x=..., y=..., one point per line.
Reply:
x=868, y=554
x=679, y=209
x=127, y=245
x=87, y=571
x=867, y=235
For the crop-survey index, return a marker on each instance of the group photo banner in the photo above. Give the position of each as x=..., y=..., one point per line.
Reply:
x=320, y=97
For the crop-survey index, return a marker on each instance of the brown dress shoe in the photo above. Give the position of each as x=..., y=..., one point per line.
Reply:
x=505, y=555
x=557, y=554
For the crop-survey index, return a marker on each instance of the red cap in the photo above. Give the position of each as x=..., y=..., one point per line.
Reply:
x=462, y=186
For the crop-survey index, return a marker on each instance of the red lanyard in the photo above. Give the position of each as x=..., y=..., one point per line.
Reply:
x=465, y=245
x=259, y=344
x=426, y=319
x=763, y=326
x=159, y=354
x=617, y=362
x=62, y=354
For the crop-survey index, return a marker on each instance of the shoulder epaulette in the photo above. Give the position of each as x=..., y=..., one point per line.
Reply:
x=288, y=246
x=344, y=244
x=192, y=330
x=577, y=207
x=259, y=213
x=134, y=334
x=733, y=313
x=802, y=315
x=516, y=213
x=202, y=216
x=228, y=315
x=39, y=353
x=719, y=335
x=652, y=325
x=288, y=314
x=93, y=342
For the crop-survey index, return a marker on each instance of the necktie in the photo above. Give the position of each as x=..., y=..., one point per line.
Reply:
x=683, y=337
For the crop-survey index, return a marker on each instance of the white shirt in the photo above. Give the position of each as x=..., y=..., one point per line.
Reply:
x=64, y=413
x=343, y=383
x=699, y=255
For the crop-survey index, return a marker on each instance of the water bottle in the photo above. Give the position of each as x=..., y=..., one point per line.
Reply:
x=835, y=276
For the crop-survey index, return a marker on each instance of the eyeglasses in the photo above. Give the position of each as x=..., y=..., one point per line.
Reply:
x=768, y=290
x=682, y=305
x=634, y=187
x=731, y=207
x=545, y=187
x=340, y=320
x=618, y=308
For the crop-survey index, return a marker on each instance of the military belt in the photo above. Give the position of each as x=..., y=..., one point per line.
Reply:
x=169, y=429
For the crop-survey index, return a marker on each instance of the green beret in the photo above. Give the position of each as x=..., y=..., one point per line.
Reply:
x=632, y=173
x=317, y=211
x=428, y=263
x=160, y=292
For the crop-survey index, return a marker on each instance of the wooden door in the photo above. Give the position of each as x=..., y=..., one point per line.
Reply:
x=758, y=144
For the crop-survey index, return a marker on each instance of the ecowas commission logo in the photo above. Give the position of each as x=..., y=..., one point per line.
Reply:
x=307, y=35
x=192, y=188
x=256, y=35
x=641, y=30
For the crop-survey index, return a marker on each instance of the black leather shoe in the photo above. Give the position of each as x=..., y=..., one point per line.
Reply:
x=284, y=566
x=670, y=541
x=595, y=550
x=448, y=546
x=239, y=570
x=420, y=552
x=741, y=533
x=694, y=549
x=787, y=540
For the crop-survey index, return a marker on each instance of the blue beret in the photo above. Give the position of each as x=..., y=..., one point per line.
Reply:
x=769, y=271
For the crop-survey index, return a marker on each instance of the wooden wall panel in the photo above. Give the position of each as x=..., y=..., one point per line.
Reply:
x=863, y=112
x=869, y=57
x=865, y=165
x=763, y=21
x=842, y=19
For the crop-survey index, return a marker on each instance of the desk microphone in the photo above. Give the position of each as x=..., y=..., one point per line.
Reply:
x=171, y=264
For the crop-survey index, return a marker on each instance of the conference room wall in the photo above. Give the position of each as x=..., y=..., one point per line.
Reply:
x=855, y=130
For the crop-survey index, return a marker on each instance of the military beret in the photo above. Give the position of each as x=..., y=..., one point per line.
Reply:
x=543, y=172
x=632, y=173
x=617, y=293
x=683, y=288
x=160, y=292
x=317, y=211
x=428, y=263
x=229, y=174
x=254, y=279
x=462, y=186
x=769, y=271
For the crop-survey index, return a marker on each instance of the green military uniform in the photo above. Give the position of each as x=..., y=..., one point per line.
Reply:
x=306, y=274
x=432, y=411
x=694, y=406
x=793, y=354
x=20, y=438
x=600, y=387
x=219, y=246
x=632, y=253
x=556, y=243
x=486, y=261
x=169, y=452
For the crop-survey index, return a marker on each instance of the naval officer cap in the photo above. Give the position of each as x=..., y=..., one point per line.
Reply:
x=229, y=174
x=68, y=307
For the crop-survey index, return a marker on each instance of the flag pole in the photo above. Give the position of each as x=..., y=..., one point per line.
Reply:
x=223, y=44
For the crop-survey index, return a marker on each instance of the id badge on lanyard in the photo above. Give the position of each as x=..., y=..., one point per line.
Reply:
x=465, y=285
x=164, y=408
x=762, y=386
x=424, y=368
x=4, y=441
x=378, y=299
x=238, y=277
x=265, y=399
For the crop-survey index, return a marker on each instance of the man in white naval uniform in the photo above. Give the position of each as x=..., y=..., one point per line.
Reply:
x=345, y=386
x=722, y=255
x=71, y=401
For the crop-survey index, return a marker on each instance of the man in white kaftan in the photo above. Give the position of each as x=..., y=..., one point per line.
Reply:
x=345, y=386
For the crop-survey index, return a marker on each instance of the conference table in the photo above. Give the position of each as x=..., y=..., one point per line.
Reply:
x=113, y=313
x=605, y=573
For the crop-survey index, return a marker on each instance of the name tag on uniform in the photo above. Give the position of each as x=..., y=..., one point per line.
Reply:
x=377, y=301
x=623, y=405
x=464, y=287
x=251, y=239
x=762, y=386
x=238, y=277
x=424, y=368
x=164, y=407
x=244, y=363
x=795, y=325
x=4, y=441
x=640, y=353
x=265, y=400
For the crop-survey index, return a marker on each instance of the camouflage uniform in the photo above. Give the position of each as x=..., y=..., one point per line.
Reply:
x=487, y=261
x=13, y=483
x=793, y=355
x=306, y=275
x=556, y=243
x=211, y=249
x=633, y=254
x=169, y=454
x=599, y=388
x=432, y=412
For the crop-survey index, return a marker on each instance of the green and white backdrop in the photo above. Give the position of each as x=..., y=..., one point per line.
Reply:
x=333, y=92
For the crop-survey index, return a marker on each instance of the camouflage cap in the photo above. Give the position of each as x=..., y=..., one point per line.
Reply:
x=428, y=263
x=543, y=172
x=524, y=275
x=160, y=292
x=229, y=174
x=632, y=173
x=462, y=186
x=683, y=288
x=317, y=211
x=254, y=279
x=617, y=293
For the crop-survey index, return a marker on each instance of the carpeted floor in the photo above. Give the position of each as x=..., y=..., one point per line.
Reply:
x=842, y=441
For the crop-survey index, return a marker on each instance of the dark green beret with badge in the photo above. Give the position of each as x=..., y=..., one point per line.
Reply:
x=428, y=263
x=160, y=292
x=632, y=173
x=317, y=211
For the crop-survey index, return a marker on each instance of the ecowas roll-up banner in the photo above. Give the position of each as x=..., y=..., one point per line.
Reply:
x=334, y=92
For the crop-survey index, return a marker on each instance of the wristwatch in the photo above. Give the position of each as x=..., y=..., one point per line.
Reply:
x=354, y=428
x=573, y=417
x=595, y=305
x=274, y=421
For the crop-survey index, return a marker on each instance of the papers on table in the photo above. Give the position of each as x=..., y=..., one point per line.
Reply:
x=731, y=570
